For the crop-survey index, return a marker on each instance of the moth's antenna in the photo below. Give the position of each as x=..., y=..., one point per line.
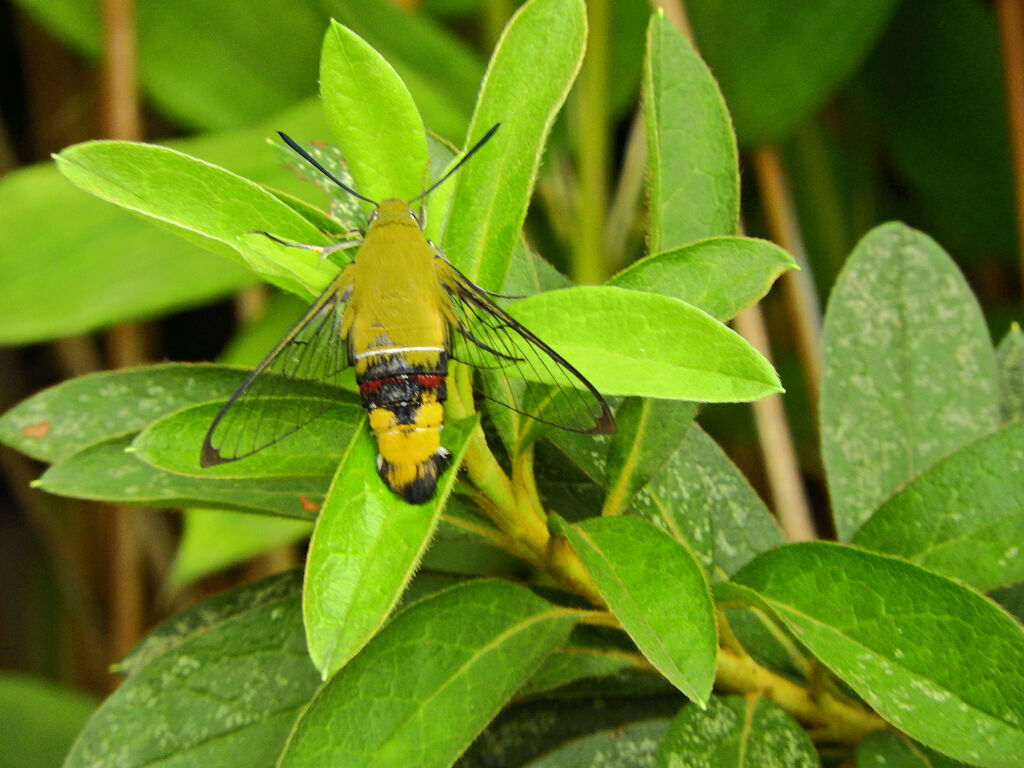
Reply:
x=458, y=165
x=306, y=156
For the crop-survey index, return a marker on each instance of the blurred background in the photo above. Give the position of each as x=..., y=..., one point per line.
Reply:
x=848, y=113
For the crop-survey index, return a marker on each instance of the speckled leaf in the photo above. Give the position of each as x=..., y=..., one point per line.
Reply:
x=365, y=548
x=694, y=176
x=199, y=618
x=963, y=517
x=657, y=591
x=106, y=471
x=205, y=204
x=631, y=746
x=530, y=72
x=62, y=420
x=721, y=275
x=908, y=375
x=1010, y=362
x=890, y=750
x=226, y=696
x=704, y=502
x=736, y=732
x=937, y=660
x=173, y=442
x=373, y=117
x=648, y=432
x=431, y=680
x=627, y=343
x=777, y=62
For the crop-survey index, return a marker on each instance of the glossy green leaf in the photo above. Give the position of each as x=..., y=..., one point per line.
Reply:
x=777, y=63
x=214, y=539
x=62, y=420
x=86, y=245
x=365, y=548
x=647, y=433
x=442, y=72
x=431, y=680
x=227, y=696
x=963, y=517
x=373, y=117
x=735, y=732
x=1010, y=364
x=908, y=375
x=935, y=659
x=527, y=81
x=173, y=442
x=40, y=720
x=657, y=591
x=693, y=183
x=236, y=68
x=106, y=471
x=704, y=502
x=890, y=750
x=721, y=275
x=631, y=746
x=627, y=343
x=203, y=203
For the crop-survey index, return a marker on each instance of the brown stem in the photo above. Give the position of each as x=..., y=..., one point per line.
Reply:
x=1011, y=34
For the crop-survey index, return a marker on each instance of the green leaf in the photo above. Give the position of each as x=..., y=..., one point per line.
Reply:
x=86, y=244
x=1010, y=364
x=236, y=67
x=365, y=548
x=694, y=175
x=75, y=260
x=433, y=678
x=889, y=750
x=180, y=191
x=721, y=275
x=227, y=696
x=908, y=373
x=770, y=58
x=213, y=539
x=198, y=619
x=62, y=420
x=106, y=471
x=173, y=442
x=657, y=591
x=648, y=432
x=935, y=659
x=705, y=503
x=630, y=746
x=627, y=343
x=40, y=720
x=442, y=72
x=963, y=517
x=373, y=117
x=531, y=70
x=736, y=731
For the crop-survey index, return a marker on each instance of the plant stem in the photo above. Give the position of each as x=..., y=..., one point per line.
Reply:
x=1011, y=32
x=832, y=720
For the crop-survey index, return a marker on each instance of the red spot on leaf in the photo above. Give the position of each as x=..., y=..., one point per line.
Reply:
x=41, y=429
x=309, y=506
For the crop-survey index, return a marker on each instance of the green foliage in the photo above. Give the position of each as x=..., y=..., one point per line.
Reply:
x=392, y=650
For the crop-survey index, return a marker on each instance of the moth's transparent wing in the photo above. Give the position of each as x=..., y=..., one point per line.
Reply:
x=269, y=405
x=521, y=371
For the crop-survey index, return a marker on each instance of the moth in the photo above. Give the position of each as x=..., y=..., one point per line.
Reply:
x=399, y=312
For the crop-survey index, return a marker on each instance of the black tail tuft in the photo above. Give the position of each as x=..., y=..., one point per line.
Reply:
x=421, y=489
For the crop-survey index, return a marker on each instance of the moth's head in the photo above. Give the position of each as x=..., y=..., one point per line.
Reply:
x=394, y=211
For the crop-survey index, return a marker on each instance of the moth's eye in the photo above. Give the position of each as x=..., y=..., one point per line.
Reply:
x=373, y=217
x=412, y=215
